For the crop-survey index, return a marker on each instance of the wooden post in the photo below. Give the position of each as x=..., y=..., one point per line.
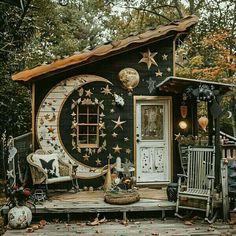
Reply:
x=217, y=151
x=225, y=192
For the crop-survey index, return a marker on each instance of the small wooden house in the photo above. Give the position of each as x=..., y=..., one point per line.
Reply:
x=117, y=102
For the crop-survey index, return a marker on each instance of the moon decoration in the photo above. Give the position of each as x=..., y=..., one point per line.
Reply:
x=129, y=78
x=203, y=122
x=44, y=132
x=229, y=114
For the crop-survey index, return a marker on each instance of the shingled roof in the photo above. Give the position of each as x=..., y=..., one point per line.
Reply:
x=107, y=49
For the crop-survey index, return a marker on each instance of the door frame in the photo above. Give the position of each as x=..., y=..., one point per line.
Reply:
x=168, y=99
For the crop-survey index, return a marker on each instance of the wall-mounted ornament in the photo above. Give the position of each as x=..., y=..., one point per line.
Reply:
x=151, y=85
x=81, y=92
x=103, y=135
x=88, y=93
x=112, y=110
x=164, y=57
x=98, y=162
x=87, y=101
x=109, y=157
x=114, y=134
x=106, y=90
x=168, y=69
x=119, y=100
x=51, y=130
x=102, y=115
x=126, y=139
x=118, y=123
x=86, y=157
x=148, y=58
x=117, y=149
x=101, y=125
x=159, y=73
x=128, y=150
x=129, y=78
x=53, y=118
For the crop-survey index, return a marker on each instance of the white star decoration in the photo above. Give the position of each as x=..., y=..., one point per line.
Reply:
x=148, y=58
x=164, y=57
x=117, y=148
x=114, y=134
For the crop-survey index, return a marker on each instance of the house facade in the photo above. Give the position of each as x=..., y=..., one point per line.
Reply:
x=103, y=106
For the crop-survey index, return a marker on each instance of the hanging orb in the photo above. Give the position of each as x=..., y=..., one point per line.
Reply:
x=183, y=124
x=129, y=78
x=183, y=111
x=203, y=122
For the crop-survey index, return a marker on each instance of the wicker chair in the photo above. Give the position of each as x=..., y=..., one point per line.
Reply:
x=39, y=163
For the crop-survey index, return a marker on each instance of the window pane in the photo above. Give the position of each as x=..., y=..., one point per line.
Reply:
x=93, y=109
x=92, y=139
x=83, y=130
x=93, y=119
x=82, y=118
x=93, y=129
x=83, y=109
x=82, y=139
x=152, y=122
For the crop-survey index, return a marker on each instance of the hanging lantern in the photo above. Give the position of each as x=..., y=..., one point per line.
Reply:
x=183, y=111
x=203, y=122
x=183, y=125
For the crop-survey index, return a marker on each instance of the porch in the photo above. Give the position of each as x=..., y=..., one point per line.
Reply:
x=151, y=200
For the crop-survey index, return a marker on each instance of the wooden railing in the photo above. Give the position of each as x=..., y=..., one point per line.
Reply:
x=228, y=151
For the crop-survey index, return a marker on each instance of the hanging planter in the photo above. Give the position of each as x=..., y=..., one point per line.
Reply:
x=203, y=122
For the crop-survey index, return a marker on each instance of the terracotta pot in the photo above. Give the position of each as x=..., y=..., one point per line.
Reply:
x=203, y=122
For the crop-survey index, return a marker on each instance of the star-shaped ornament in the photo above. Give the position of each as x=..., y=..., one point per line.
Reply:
x=47, y=116
x=98, y=162
x=177, y=136
x=164, y=57
x=128, y=150
x=151, y=85
x=101, y=125
x=114, y=134
x=158, y=73
x=109, y=156
x=102, y=135
x=86, y=157
x=51, y=130
x=73, y=114
x=117, y=148
x=10, y=174
x=118, y=123
x=148, y=58
x=102, y=115
x=106, y=90
x=88, y=93
x=112, y=110
x=126, y=139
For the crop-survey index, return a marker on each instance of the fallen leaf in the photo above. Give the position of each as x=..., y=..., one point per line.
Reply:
x=30, y=230
x=43, y=222
x=103, y=220
x=98, y=231
x=187, y=222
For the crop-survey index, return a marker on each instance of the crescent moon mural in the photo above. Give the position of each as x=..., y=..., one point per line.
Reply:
x=48, y=133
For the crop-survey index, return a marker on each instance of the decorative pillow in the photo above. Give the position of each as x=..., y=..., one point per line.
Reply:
x=49, y=162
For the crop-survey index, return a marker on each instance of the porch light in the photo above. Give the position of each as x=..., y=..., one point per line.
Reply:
x=183, y=124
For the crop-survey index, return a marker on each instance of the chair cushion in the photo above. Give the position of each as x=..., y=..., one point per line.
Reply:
x=49, y=162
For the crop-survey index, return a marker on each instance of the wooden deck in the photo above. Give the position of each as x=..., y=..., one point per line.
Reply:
x=93, y=202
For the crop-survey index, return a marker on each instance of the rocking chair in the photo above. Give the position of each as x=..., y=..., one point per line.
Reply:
x=200, y=181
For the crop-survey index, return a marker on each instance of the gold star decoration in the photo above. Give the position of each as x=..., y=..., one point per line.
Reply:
x=164, y=57
x=148, y=58
x=51, y=130
x=128, y=150
x=88, y=93
x=118, y=123
x=86, y=157
x=117, y=148
x=101, y=125
x=47, y=116
x=106, y=90
x=53, y=138
x=98, y=162
x=158, y=73
x=109, y=157
x=126, y=139
x=114, y=134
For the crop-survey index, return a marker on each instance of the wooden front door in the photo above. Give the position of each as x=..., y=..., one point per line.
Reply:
x=152, y=137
